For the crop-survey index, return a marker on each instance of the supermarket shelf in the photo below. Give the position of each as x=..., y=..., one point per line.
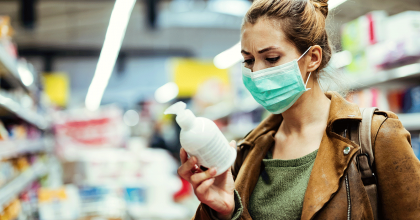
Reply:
x=24, y=113
x=14, y=187
x=13, y=148
x=411, y=121
x=404, y=72
x=8, y=68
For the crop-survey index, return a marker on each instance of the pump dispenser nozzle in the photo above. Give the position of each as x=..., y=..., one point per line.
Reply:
x=184, y=117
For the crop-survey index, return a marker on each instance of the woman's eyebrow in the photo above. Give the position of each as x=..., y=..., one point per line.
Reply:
x=245, y=52
x=261, y=51
x=267, y=49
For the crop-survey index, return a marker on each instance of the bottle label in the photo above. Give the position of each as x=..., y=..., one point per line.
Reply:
x=213, y=154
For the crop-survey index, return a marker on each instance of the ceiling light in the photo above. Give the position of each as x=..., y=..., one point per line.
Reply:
x=166, y=92
x=25, y=75
x=113, y=39
x=334, y=3
x=341, y=59
x=228, y=57
x=131, y=118
x=230, y=7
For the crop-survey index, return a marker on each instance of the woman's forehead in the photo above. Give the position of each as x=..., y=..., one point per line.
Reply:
x=261, y=35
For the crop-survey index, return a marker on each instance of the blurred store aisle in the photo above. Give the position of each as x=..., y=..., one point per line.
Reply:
x=114, y=156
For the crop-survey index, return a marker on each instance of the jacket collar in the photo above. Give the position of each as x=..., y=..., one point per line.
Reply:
x=330, y=162
x=340, y=109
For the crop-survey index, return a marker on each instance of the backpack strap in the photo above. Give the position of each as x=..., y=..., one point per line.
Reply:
x=366, y=158
x=365, y=131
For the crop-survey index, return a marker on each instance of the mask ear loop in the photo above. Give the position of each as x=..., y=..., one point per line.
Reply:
x=307, y=81
x=304, y=53
x=309, y=72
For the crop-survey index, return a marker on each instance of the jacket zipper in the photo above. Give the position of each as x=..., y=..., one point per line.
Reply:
x=348, y=198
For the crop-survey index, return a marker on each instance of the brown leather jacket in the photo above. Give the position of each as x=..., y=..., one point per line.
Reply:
x=327, y=195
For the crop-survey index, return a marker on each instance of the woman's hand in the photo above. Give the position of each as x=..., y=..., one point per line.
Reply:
x=216, y=192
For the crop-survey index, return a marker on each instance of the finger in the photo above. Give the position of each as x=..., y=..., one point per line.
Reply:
x=183, y=155
x=196, y=169
x=203, y=188
x=184, y=170
x=197, y=178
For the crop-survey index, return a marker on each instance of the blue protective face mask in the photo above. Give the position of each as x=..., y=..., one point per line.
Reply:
x=276, y=88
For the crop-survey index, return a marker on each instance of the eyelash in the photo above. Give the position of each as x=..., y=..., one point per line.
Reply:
x=249, y=61
x=271, y=60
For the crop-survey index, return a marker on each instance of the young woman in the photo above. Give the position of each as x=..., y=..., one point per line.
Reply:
x=296, y=164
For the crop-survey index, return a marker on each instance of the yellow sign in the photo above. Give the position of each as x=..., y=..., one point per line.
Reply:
x=48, y=195
x=57, y=87
x=188, y=74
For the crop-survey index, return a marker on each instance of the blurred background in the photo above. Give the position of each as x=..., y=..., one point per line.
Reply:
x=84, y=83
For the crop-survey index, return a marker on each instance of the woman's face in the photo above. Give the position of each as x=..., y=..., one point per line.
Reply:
x=265, y=45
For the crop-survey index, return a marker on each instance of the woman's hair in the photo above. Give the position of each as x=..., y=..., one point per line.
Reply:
x=303, y=22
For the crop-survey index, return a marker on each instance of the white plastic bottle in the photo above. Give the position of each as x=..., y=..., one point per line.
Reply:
x=200, y=137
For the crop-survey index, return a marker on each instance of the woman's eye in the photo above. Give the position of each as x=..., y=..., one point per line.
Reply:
x=272, y=60
x=249, y=61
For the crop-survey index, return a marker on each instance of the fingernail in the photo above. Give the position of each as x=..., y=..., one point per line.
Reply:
x=213, y=171
x=232, y=142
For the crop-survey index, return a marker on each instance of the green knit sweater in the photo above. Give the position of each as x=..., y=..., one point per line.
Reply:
x=282, y=197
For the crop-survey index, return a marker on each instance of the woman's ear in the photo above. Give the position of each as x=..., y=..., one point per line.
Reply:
x=315, y=54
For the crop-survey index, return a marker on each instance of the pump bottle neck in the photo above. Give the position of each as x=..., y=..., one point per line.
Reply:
x=185, y=119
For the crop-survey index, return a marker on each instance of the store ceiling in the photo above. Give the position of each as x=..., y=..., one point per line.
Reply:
x=83, y=23
x=76, y=29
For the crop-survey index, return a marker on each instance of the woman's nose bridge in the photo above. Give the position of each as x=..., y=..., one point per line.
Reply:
x=258, y=65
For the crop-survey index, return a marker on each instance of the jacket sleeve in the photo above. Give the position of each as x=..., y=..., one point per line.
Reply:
x=236, y=214
x=204, y=212
x=397, y=169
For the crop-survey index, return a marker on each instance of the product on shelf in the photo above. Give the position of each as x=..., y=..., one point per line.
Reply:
x=360, y=33
x=18, y=132
x=7, y=171
x=29, y=201
x=6, y=33
x=375, y=44
x=415, y=143
x=363, y=31
x=4, y=135
x=403, y=24
x=5, y=27
x=393, y=53
x=59, y=203
x=398, y=101
x=11, y=211
x=411, y=102
x=395, y=99
x=21, y=163
x=81, y=130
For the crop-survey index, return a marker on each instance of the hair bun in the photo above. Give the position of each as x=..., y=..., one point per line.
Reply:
x=322, y=5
